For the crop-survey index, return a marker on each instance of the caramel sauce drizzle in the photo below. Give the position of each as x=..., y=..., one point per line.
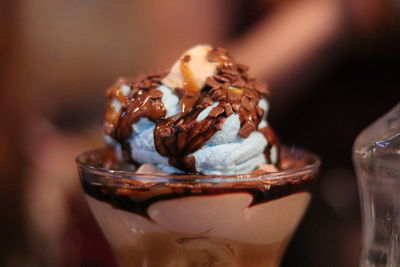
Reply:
x=272, y=141
x=191, y=89
x=113, y=93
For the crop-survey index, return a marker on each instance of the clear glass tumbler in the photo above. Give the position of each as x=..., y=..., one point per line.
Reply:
x=376, y=157
x=160, y=220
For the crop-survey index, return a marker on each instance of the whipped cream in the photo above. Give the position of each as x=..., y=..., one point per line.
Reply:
x=198, y=66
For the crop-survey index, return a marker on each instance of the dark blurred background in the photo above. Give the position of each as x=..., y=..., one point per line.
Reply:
x=333, y=67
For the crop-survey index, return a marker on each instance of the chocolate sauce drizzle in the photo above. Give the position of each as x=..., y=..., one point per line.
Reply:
x=143, y=101
x=138, y=195
x=125, y=199
x=180, y=135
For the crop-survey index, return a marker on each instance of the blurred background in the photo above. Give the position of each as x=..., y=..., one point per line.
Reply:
x=333, y=67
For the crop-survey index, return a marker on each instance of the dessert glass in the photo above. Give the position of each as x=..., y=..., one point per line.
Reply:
x=163, y=220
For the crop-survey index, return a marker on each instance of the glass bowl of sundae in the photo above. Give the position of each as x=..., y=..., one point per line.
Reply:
x=193, y=175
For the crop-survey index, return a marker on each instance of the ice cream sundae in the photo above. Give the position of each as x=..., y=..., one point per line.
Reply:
x=193, y=174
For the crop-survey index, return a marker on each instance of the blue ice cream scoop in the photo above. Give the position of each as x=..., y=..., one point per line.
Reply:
x=205, y=116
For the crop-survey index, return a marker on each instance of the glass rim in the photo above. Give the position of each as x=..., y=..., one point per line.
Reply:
x=310, y=167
